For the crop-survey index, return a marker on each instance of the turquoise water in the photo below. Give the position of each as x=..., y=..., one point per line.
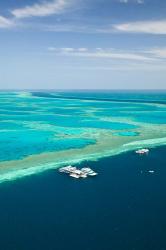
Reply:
x=19, y=144
x=126, y=133
x=79, y=125
x=123, y=208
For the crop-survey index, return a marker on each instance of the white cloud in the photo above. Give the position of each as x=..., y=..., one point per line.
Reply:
x=132, y=1
x=115, y=55
x=152, y=59
x=158, y=52
x=5, y=22
x=123, y=1
x=82, y=49
x=140, y=1
x=44, y=8
x=102, y=53
x=67, y=50
x=51, y=49
x=150, y=27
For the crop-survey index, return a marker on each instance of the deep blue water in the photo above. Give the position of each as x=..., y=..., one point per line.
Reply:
x=123, y=208
x=148, y=96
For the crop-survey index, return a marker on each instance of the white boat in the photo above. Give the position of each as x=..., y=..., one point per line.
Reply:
x=83, y=175
x=86, y=170
x=93, y=174
x=75, y=176
x=77, y=173
x=68, y=169
x=89, y=171
x=142, y=151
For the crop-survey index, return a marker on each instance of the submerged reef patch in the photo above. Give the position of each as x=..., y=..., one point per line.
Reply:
x=45, y=130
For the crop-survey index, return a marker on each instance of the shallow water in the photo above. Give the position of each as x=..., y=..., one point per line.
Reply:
x=41, y=130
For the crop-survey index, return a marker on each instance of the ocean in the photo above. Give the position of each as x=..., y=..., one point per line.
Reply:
x=122, y=208
x=46, y=130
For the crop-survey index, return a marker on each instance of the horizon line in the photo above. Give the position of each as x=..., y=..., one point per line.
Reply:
x=82, y=89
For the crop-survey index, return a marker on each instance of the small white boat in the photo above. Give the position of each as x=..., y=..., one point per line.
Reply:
x=93, y=174
x=142, y=151
x=151, y=171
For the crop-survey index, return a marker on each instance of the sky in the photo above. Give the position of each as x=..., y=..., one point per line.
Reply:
x=83, y=44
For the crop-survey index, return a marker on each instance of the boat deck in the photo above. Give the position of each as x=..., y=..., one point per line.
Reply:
x=77, y=173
